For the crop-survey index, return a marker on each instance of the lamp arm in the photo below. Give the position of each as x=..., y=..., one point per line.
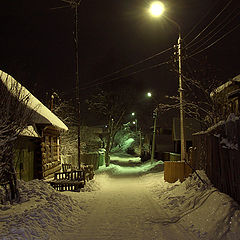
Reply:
x=175, y=23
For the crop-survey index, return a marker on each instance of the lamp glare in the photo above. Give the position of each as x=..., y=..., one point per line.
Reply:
x=156, y=9
x=149, y=94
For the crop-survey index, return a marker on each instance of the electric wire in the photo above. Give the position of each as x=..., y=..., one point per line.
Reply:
x=124, y=76
x=199, y=34
x=97, y=81
x=128, y=67
x=221, y=25
x=210, y=45
x=160, y=64
x=61, y=7
x=201, y=19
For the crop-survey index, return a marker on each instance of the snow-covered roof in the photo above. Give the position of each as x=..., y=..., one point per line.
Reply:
x=225, y=85
x=42, y=115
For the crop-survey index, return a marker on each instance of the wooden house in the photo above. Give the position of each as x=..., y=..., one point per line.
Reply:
x=38, y=147
x=229, y=94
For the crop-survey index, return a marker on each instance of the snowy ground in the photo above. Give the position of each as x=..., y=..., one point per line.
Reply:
x=128, y=200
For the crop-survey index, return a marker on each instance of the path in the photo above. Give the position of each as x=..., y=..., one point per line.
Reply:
x=124, y=210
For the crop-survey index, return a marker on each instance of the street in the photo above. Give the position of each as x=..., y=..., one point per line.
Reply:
x=125, y=209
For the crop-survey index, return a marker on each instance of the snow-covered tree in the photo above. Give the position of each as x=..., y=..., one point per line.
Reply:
x=112, y=106
x=15, y=116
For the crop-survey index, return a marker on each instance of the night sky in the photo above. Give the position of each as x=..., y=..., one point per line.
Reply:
x=37, y=47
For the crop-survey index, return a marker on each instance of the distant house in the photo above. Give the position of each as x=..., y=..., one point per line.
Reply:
x=229, y=93
x=37, y=152
x=216, y=150
x=190, y=127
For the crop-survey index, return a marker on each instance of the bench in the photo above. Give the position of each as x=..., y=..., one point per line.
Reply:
x=69, y=181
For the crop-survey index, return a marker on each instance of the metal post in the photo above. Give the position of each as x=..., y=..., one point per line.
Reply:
x=154, y=134
x=181, y=99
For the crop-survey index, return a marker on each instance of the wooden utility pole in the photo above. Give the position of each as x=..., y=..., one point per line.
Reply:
x=155, y=112
x=75, y=4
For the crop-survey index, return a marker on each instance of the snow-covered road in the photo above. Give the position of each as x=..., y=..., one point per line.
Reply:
x=125, y=209
x=128, y=200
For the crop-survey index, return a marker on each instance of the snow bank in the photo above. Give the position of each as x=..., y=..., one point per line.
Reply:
x=43, y=213
x=131, y=168
x=199, y=207
x=91, y=186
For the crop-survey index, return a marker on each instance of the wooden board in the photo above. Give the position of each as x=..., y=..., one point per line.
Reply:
x=176, y=170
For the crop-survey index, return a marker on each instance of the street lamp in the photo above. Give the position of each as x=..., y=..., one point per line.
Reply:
x=156, y=8
x=157, y=11
x=149, y=94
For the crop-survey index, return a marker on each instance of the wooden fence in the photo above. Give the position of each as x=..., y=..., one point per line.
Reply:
x=217, y=152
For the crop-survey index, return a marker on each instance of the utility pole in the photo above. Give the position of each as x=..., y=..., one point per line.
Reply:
x=183, y=148
x=155, y=112
x=75, y=4
x=140, y=142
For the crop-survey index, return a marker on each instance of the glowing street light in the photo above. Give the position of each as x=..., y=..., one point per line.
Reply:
x=133, y=113
x=156, y=9
x=149, y=94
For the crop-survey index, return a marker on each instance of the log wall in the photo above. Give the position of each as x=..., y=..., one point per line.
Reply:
x=50, y=148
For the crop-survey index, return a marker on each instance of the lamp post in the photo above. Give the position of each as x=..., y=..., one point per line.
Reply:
x=156, y=9
x=155, y=112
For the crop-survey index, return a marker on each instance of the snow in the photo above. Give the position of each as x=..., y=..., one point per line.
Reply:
x=29, y=131
x=228, y=144
x=225, y=85
x=42, y=114
x=128, y=200
x=230, y=126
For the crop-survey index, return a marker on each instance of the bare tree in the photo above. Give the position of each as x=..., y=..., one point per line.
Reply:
x=15, y=116
x=200, y=80
x=112, y=106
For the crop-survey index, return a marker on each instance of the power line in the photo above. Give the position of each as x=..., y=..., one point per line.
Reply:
x=201, y=19
x=195, y=53
x=157, y=65
x=61, y=7
x=129, y=66
x=221, y=28
x=127, y=75
x=199, y=34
